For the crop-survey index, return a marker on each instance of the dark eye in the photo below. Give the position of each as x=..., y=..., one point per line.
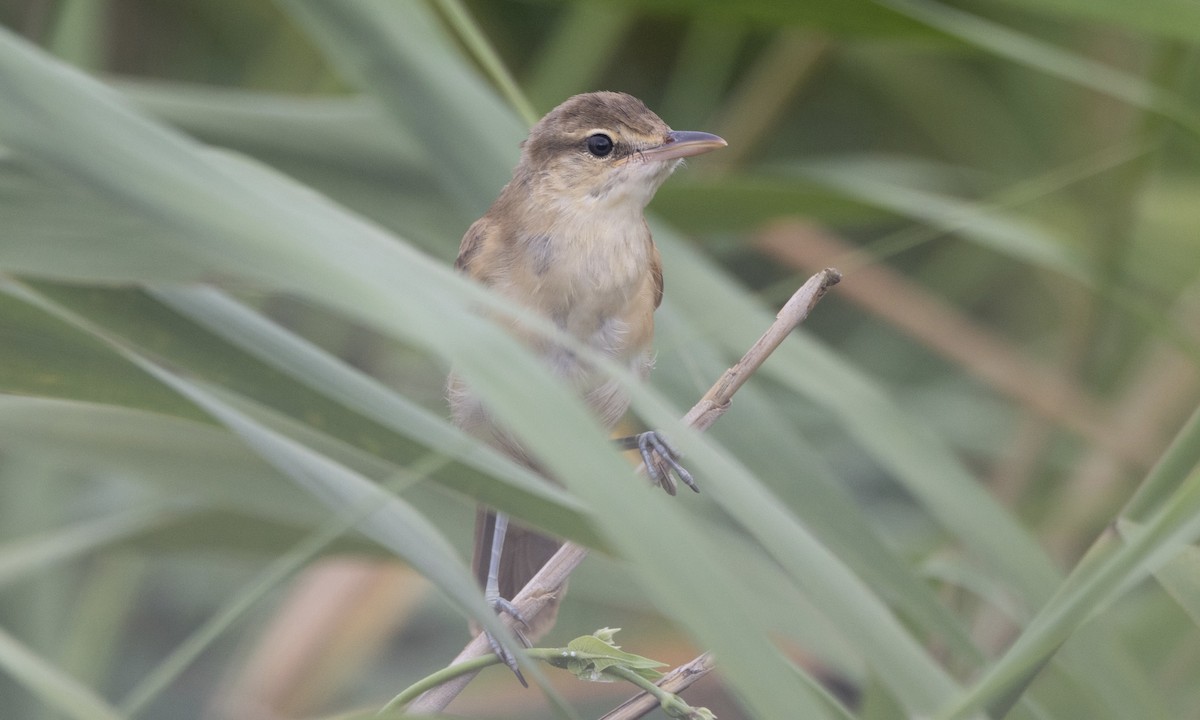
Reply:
x=599, y=144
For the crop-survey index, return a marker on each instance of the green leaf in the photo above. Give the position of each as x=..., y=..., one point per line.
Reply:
x=1178, y=19
x=49, y=683
x=388, y=520
x=870, y=180
x=739, y=203
x=1181, y=578
x=1028, y=50
x=223, y=341
x=851, y=16
x=588, y=656
x=23, y=557
x=413, y=67
x=1111, y=569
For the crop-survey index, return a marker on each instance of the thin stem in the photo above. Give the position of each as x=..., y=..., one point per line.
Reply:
x=412, y=692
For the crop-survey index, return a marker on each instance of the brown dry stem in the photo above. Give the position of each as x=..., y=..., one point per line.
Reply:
x=676, y=681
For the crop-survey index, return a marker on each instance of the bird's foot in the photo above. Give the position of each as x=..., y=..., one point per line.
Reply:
x=661, y=458
x=500, y=605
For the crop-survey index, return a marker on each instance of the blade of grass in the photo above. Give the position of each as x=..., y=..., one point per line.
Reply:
x=393, y=524
x=914, y=453
x=899, y=443
x=23, y=557
x=408, y=61
x=475, y=41
x=545, y=505
x=774, y=448
x=1181, y=579
x=1110, y=569
x=852, y=606
x=50, y=684
x=217, y=338
x=1170, y=18
x=1027, y=50
x=867, y=180
x=153, y=683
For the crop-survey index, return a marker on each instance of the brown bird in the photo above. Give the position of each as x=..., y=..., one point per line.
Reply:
x=567, y=239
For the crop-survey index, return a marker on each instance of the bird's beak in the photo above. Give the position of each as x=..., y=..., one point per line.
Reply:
x=681, y=144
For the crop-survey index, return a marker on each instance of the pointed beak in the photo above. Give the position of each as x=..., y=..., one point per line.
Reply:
x=681, y=144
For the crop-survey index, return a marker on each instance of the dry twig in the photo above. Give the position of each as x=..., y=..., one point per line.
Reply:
x=676, y=681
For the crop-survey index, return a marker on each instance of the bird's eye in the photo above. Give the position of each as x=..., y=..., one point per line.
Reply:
x=599, y=144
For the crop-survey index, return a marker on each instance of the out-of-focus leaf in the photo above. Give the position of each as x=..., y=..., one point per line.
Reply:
x=739, y=203
x=853, y=16
x=1028, y=50
x=51, y=684
x=91, y=193
x=199, y=461
x=188, y=460
x=382, y=516
x=582, y=44
x=773, y=447
x=867, y=180
x=351, y=131
x=40, y=355
x=21, y=557
x=1168, y=474
x=1178, y=19
x=412, y=67
x=912, y=453
x=219, y=339
x=1112, y=569
x=1181, y=578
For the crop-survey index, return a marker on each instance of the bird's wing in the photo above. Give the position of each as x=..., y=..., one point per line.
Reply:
x=656, y=275
x=473, y=243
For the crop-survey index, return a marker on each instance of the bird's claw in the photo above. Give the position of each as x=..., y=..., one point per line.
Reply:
x=500, y=605
x=661, y=459
x=507, y=657
x=504, y=605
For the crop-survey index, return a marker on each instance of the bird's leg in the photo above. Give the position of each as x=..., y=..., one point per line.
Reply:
x=491, y=594
x=661, y=459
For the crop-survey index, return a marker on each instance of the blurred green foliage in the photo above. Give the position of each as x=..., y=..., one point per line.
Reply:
x=968, y=485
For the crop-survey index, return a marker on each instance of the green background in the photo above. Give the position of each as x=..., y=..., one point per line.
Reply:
x=967, y=485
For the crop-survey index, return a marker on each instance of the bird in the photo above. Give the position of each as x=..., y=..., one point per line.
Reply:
x=567, y=239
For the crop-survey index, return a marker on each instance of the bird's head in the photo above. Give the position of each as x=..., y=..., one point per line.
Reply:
x=606, y=148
